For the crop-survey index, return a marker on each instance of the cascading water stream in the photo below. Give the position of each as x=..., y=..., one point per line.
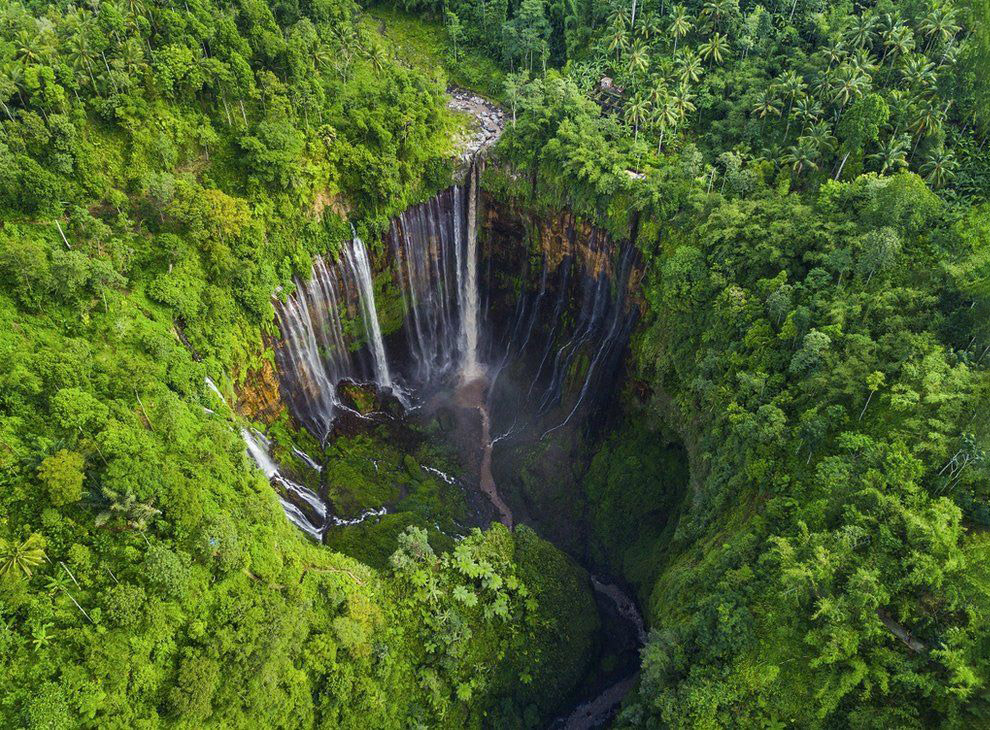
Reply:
x=357, y=259
x=470, y=368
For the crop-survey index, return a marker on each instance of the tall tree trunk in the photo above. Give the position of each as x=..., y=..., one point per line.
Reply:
x=842, y=164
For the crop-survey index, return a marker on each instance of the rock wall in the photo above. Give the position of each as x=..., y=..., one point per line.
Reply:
x=259, y=395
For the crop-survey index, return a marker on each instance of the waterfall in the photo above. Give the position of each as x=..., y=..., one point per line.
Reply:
x=426, y=242
x=319, y=349
x=469, y=300
x=301, y=505
x=553, y=325
x=357, y=260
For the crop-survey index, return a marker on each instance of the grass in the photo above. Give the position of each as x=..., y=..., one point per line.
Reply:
x=422, y=44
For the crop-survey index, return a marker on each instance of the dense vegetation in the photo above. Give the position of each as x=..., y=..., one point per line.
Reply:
x=163, y=169
x=807, y=184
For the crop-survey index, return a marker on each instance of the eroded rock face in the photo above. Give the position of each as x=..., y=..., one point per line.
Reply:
x=259, y=397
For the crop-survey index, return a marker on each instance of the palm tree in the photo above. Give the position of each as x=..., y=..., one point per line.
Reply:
x=664, y=117
x=619, y=17
x=848, y=84
x=680, y=23
x=715, y=48
x=377, y=57
x=862, y=62
x=135, y=515
x=892, y=155
x=807, y=110
x=717, y=11
x=801, y=156
x=637, y=111
x=939, y=167
x=20, y=558
x=683, y=102
x=638, y=61
x=919, y=73
x=791, y=85
x=691, y=70
x=650, y=26
x=835, y=53
x=766, y=105
x=897, y=41
x=618, y=40
x=927, y=121
x=820, y=137
x=26, y=47
x=860, y=31
x=939, y=25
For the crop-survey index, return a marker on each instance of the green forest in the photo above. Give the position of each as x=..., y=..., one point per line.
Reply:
x=790, y=477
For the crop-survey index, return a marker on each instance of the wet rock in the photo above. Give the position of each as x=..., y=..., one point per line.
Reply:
x=489, y=121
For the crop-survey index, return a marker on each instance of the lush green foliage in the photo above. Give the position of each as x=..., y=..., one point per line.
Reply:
x=805, y=183
x=164, y=168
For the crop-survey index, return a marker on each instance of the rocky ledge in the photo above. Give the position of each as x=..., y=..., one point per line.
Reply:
x=489, y=121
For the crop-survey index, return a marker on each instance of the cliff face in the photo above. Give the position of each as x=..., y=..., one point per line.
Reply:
x=259, y=395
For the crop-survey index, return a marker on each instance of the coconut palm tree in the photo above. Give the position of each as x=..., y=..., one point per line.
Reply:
x=919, y=73
x=848, y=84
x=892, y=155
x=835, y=53
x=801, y=156
x=718, y=11
x=20, y=558
x=927, y=120
x=791, y=86
x=650, y=26
x=683, y=102
x=820, y=137
x=939, y=167
x=617, y=40
x=897, y=41
x=134, y=514
x=636, y=112
x=690, y=69
x=619, y=17
x=807, y=110
x=939, y=26
x=766, y=105
x=715, y=48
x=664, y=117
x=638, y=61
x=860, y=33
x=680, y=23
x=863, y=62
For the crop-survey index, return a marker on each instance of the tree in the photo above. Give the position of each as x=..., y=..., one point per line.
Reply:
x=766, y=105
x=636, y=113
x=514, y=84
x=892, y=155
x=939, y=167
x=455, y=32
x=62, y=474
x=861, y=125
x=18, y=559
x=715, y=48
x=680, y=23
